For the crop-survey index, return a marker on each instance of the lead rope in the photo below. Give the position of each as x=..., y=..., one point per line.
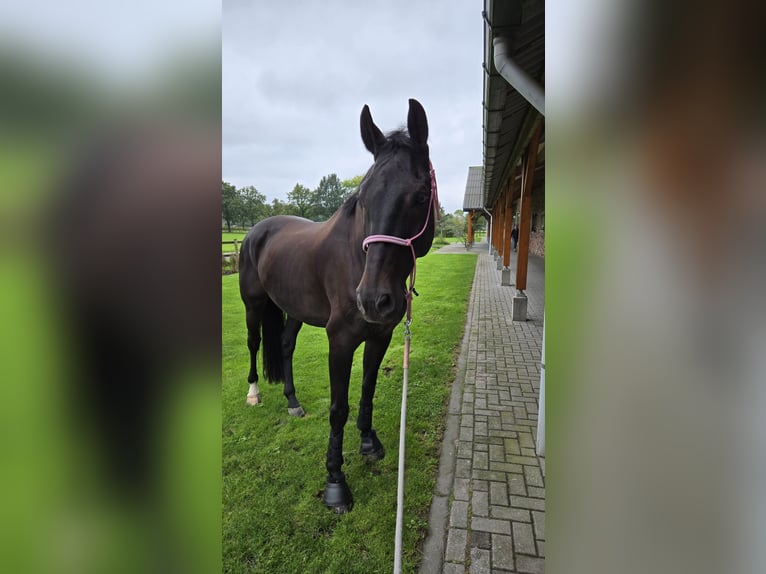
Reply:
x=433, y=203
x=402, y=429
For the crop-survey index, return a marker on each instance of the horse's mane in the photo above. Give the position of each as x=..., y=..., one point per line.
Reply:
x=349, y=206
x=395, y=140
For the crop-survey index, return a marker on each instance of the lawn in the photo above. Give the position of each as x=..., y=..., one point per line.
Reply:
x=273, y=464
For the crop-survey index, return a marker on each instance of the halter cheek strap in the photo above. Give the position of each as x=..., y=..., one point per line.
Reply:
x=433, y=205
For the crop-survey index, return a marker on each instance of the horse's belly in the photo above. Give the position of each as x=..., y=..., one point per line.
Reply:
x=308, y=314
x=298, y=295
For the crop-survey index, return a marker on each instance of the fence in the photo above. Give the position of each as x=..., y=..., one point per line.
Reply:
x=230, y=259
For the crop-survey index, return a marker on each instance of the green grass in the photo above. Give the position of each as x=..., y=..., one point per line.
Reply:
x=273, y=464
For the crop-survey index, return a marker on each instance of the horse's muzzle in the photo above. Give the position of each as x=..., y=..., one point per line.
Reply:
x=377, y=306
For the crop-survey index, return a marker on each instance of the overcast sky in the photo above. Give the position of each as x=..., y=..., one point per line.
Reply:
x=297, y=73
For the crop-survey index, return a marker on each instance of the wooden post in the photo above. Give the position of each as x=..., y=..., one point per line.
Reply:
x=508, y=220
x=527, y=181
x=470, y=227
x=500, y=226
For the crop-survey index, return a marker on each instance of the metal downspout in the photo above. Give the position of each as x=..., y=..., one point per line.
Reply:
x=517, y=77
x=489, y=235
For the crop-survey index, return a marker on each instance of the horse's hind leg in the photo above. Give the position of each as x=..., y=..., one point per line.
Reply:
x=289, y=336
x=253, y=314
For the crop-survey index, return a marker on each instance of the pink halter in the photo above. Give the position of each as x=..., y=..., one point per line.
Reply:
x=433, y=205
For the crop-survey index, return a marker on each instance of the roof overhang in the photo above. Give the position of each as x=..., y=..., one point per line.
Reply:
x=509, y=119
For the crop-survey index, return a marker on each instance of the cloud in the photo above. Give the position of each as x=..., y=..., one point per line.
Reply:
x=296, y=75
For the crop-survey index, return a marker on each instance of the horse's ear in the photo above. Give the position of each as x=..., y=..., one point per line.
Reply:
x=372, y=137
x=417, y=124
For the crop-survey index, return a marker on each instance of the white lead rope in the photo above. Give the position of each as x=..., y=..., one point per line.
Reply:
x=402, y=434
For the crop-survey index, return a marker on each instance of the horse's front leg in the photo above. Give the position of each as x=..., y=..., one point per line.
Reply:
x=337, y=494
x=374, y=350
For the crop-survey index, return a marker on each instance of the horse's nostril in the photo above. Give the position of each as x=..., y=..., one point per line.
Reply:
x=384, y=304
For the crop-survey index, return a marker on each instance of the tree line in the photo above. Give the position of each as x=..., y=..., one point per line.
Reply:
x=246, y=206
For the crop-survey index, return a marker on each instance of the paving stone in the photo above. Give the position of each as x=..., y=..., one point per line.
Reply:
x=511, y=447
x=496, y=475
x=516, y=484
x=533, y=476
x=456, y=543
x=530, y=503
x=532, y=461
x=510, y=513
x=538, y=518
x=526, y=440
x=502, y=551
x=481, y=539
x=480, y=461
x=480, y=560
x=463, y=468
x=459, y=514
x=464, y=449
x=528, y=564
x=497, y=453
x=498, y=494
x=535, y=492
x=506, y=467
x=451, y=568
x=480, y=503
x=490, y=525
x=460, y=489
x=523, y=539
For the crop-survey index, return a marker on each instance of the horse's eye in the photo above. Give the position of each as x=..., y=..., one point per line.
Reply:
x=421, y=197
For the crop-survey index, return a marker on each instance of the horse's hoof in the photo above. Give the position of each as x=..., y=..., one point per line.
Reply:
x=337, y=497
x=296, y=411
x=253, y=400
x=371, y=447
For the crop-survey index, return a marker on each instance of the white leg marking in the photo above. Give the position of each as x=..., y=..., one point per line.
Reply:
x=253, y=395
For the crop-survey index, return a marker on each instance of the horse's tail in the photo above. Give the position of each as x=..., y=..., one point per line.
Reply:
x=272, y=324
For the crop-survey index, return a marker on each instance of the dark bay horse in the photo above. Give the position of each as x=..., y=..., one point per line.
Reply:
x=294, y=271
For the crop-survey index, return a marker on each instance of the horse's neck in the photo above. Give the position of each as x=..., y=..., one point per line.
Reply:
x=348, y=228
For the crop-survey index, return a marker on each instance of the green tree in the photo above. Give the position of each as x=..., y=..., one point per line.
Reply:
x=328, y=196
x=253, y=205
x=302, y=198
x=229, y=203
x=278, y=207
x=461, y=223
x=350, y=185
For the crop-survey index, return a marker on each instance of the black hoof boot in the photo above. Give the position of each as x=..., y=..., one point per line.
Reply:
x=371, y=447
x=337, y=496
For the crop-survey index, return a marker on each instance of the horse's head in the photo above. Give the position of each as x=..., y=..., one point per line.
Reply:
x=396, y=201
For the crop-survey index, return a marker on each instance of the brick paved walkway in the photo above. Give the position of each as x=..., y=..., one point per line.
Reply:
x=488, y=509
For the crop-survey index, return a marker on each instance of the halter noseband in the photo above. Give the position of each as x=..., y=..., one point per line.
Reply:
x=433, y=205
